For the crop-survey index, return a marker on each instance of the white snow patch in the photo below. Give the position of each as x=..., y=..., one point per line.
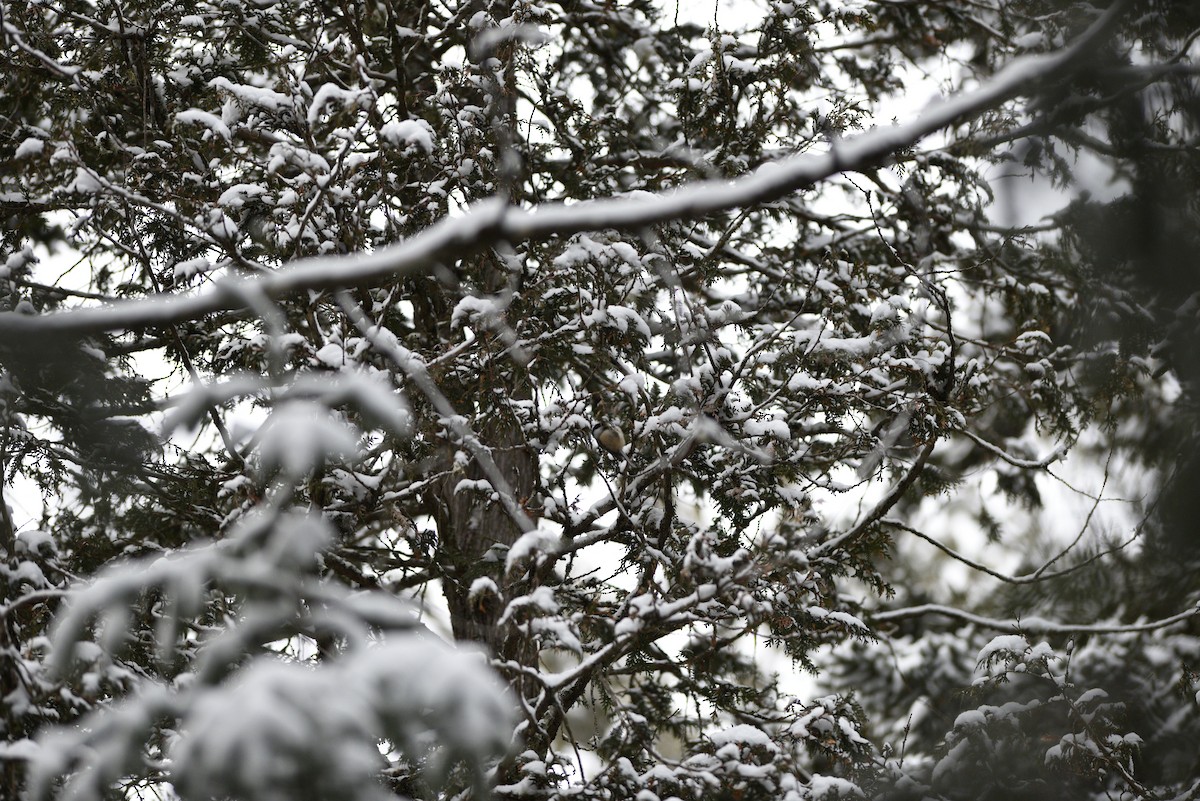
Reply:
x=196, y=116
x=1013, y=643
x=404, y=133
x=30, y=147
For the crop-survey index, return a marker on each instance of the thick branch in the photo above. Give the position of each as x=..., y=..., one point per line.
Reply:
x=490, y=222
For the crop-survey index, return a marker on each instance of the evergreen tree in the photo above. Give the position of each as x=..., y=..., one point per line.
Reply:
x=627, y=348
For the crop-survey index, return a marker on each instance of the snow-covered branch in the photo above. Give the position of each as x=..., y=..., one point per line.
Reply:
x=494, y=221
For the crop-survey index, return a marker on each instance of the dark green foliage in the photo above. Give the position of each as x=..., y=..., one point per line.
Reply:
x=815, y=389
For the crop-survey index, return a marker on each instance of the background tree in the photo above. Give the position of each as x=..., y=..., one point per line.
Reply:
x=396, y=261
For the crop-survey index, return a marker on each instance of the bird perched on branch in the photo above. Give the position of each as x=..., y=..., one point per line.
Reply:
x=610, y=437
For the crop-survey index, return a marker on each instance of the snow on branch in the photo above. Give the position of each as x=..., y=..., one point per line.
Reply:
x=493, y=221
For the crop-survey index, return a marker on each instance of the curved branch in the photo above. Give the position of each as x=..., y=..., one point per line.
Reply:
x=1031, y=625
x=493, y=221
x=1030, y=578
x=1027, y=464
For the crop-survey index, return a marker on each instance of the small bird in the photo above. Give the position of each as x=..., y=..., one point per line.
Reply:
x=610, y=437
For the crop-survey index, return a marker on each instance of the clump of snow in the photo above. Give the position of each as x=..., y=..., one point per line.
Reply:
x=19, y=750
x=235, y=197
x=254, y=95
x=472, y=308
x=35, y=541
x=528, y=545
x=1030, y=41
x=1004, y=644
x=971, y=719
x=483, y=587
x=295, y=540
x=189, y=267
x=772, y=429
x=30, y=147
x=220, y=225
x=331, y=355
x=86, y=182
x=195, y=116
x=299, y=435
x=406, y=133
x=827, y=788
x=742, y=734
x=332, y=93
x=262, y=736
x=632, y=385
x=18, y=261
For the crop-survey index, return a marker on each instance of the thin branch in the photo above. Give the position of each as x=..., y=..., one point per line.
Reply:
x=880, y=509
x=1030, y=625
x=1038, y=575
x=1027, y=464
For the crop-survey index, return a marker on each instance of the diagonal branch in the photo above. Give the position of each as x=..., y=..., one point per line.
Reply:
x=494, y=221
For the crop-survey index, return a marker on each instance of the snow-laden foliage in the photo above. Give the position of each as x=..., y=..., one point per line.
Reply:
x=312, y=313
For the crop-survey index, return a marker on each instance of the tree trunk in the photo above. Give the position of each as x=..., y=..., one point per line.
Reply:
x=475, y=531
